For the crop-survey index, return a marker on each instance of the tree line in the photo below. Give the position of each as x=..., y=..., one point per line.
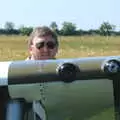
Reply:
x=68, y=28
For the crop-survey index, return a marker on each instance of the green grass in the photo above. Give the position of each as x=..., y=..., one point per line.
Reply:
x=15, y=48
x=89, y=46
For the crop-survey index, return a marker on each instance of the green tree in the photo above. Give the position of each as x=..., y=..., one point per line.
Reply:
x=68, y=28
x=9, y=26
x=25, y=30
x=54, y=27
x=106, y=28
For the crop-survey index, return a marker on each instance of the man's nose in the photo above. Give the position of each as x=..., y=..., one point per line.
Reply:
x=45, y=48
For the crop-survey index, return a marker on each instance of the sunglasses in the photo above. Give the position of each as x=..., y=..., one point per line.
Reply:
x=49, y=44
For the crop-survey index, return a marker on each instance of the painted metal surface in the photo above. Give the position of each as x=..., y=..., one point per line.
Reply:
x=87, y=95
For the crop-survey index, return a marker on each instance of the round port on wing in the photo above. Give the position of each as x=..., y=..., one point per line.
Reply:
x=67, y=72
x=111, y=67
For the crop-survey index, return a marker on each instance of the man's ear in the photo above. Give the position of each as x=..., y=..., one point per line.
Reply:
x=30, y=49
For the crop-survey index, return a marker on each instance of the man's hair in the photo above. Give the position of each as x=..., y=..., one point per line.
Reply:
x=41, y=32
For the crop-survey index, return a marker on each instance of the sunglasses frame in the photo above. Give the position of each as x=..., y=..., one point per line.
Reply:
x=49, y=45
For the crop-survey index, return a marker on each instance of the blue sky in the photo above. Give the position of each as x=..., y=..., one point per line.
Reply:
x=86, y=14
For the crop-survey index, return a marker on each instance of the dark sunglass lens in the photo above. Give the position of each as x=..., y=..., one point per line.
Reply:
x=39, y=45
x=51, y=45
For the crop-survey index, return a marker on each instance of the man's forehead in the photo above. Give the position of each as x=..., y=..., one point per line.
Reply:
x=43, y=38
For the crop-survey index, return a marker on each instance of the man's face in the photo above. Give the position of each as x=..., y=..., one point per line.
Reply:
x=43, y=48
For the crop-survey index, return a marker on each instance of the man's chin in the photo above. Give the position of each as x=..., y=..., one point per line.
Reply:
x=44, y=58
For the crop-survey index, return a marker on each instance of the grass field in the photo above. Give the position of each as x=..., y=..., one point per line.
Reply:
x=15, y=48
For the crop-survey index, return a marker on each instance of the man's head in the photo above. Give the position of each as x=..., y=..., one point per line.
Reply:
x=43, y=43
